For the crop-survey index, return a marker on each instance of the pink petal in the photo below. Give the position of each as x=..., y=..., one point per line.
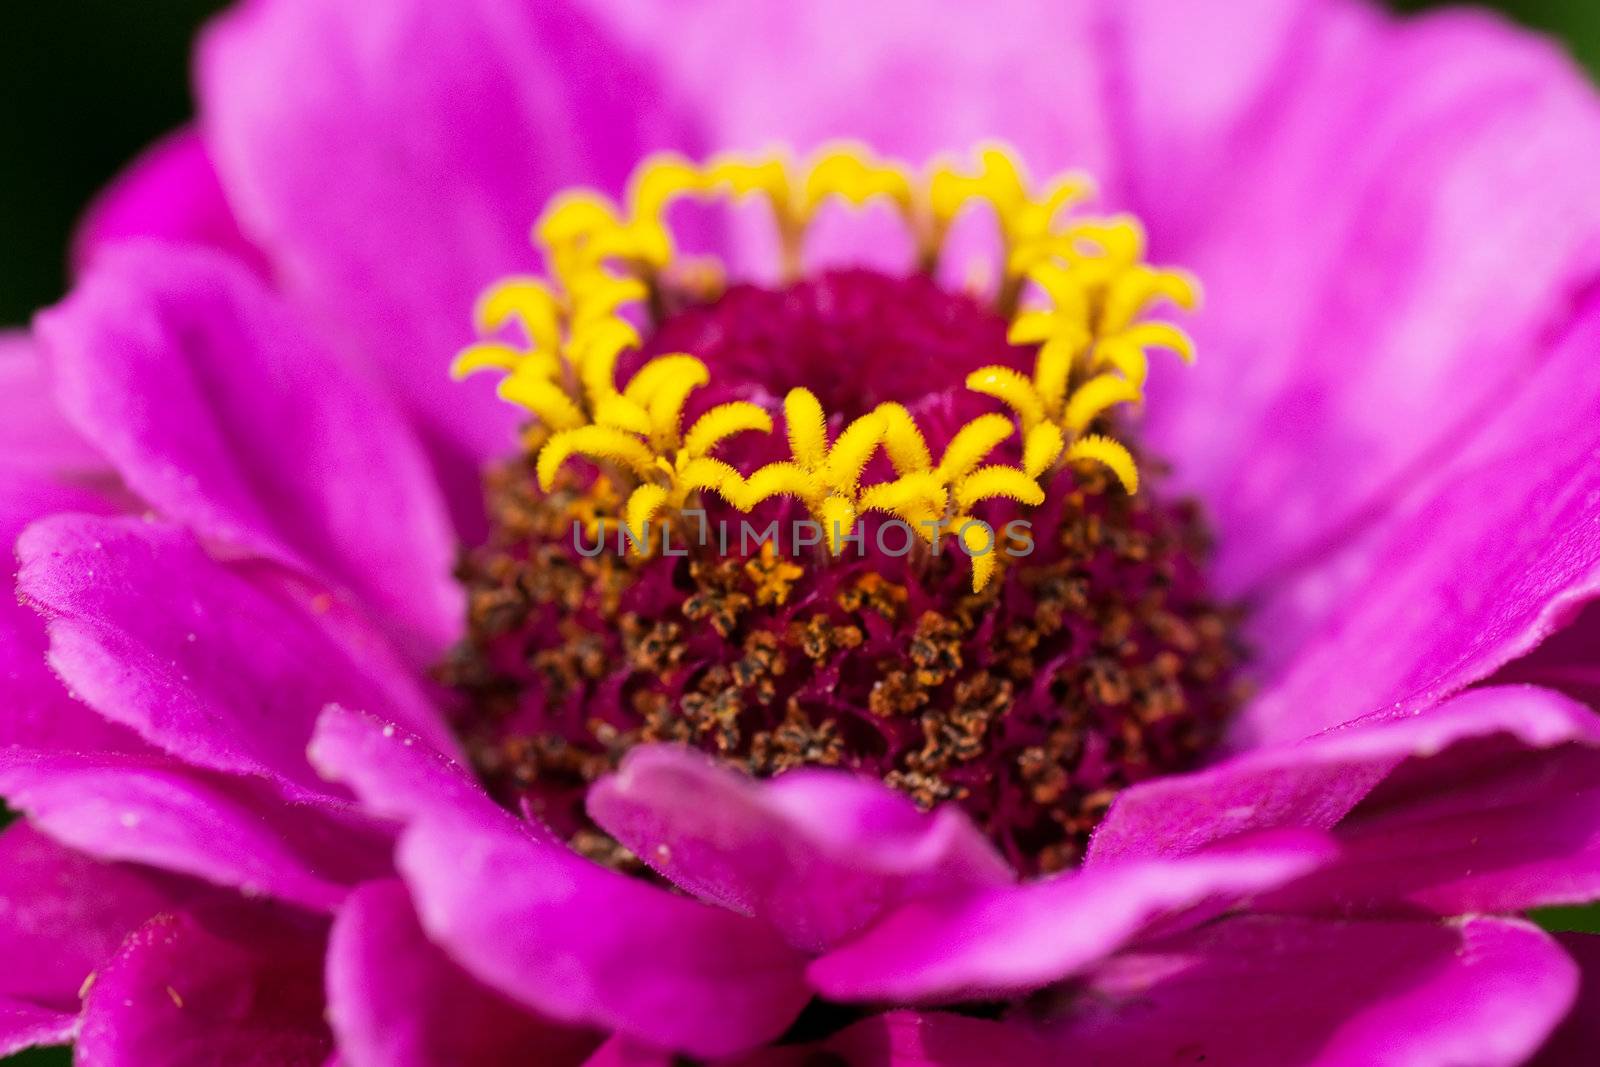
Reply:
x=61, y=916
x=1484, y=803
x=1574, y=1042
x=361, y=750
x=1479, y=561
x=903, y=1039
x=572, y=940
x=221, y=667
x=1482, y=828
x=1013, y=940
x=231, y=989
x=816, y=855
x=234, y=832
x=590, y=946
x=215, y=406
x=170, y=192
x=911, y=77
x=1567, y=661
x=395, y=1000
x=915, y=79
x=39, y=713
x=34, y=436
x=621, y=1052
x=24, y=1025
x=1338, y=178
x=392, y=154
x=1265, y=991
x=928, y=1039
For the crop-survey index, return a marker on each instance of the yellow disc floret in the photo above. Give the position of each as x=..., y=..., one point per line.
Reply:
x=1075, y=289
x=825, y=477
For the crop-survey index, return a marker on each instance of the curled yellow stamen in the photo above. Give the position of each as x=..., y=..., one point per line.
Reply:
x=903, y=440
x=486, y=355
x=989, y=483
x=724, y=421
x=602, y=443
x=1040, y=450
x=545, y=399
x=807, y=427
x=1011, y=389
x=825, y=478
x=1097, y=395
x=851, y=452
x=1109, y=454
x=847, y=172
x=530, y=302
x=971, y=443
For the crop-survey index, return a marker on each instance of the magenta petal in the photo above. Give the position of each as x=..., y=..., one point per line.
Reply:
x=917, y=79
x=572, y=940
x=911, y=77
x=816, y=855
x=34, y=435
x=1316, y=782
x=1486, y=801
x=1264, y=992
x=1486, y=555
x=622, y=1052
x=360, y=750
x=1012, y=940
x=170, y=192
x=235, y=832
x=61, y=916
x=893, y=1039
x=1338, y=178
x=1511, y=504
x=205, y=391
x=24, y=1025
x=930, y=1039
x=395, y=1000
x=38, y=711
x=392, y=154
x=1567, y=661
x=591, y=946
x=241, y=988
x=1483, y=828
x=1574, y=1042
x=219, y=669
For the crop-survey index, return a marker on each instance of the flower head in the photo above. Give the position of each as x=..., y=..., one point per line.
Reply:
x=848, y=638
x=873, y=792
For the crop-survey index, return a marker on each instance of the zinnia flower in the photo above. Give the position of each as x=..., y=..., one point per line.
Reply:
x=335, y=740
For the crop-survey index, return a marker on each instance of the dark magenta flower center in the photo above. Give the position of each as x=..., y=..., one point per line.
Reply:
x=1095, y=661
x=855, y=338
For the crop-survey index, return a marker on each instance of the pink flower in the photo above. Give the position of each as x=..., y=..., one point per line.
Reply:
x=258, y=829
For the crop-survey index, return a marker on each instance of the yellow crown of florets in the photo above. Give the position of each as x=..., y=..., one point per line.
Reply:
x=1076, y=287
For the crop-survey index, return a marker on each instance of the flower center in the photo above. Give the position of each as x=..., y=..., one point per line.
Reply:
x=1012, y=626
x=854, y=338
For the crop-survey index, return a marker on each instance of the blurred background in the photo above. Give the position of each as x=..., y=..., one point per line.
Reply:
x=90, y=82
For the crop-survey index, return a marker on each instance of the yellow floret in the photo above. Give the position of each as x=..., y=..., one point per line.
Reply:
x=1090, y=337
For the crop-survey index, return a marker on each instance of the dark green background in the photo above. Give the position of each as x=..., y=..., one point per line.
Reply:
x=86, y=83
